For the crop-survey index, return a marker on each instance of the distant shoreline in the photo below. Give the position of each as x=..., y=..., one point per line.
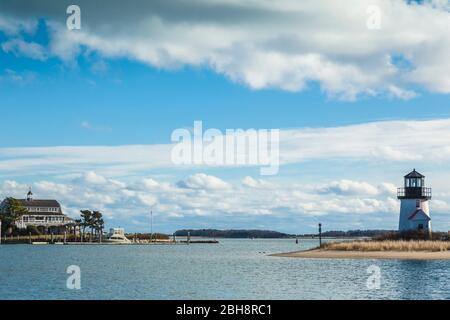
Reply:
x=389, y=255
x=270, y=234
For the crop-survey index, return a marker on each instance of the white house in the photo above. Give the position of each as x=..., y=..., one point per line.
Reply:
x=414, y=207
x=46, y=215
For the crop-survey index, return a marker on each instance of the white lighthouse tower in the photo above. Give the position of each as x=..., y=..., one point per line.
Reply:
x=414, y=208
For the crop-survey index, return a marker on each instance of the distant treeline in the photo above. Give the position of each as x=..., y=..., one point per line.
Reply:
x=267, y=234
x=352, y=233
x=212, y=233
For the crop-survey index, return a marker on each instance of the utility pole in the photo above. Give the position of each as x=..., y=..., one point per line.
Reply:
x=320, y=235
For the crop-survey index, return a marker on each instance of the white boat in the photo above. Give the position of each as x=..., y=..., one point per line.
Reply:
x=117, y=235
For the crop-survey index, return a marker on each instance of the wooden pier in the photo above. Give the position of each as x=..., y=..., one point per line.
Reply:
x=70, y=240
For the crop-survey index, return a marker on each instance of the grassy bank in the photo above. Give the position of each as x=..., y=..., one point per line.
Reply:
x=389, y=245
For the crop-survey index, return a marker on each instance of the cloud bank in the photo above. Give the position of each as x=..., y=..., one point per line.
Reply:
x=282, y=44
x=201, y=195
x=406, y=142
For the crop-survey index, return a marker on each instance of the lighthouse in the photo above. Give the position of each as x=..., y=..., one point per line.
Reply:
x=414, y=207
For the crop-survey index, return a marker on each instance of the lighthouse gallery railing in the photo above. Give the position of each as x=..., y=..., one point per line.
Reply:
x=414, y=193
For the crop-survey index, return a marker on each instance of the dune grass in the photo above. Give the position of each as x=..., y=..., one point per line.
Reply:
x=389, y=245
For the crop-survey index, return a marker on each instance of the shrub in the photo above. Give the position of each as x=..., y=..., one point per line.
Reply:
x=412, y=235
x=33, y=230
x=389, y=245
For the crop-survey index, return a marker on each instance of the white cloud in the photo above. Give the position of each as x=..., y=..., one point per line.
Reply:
x=116, y=160
x=57, y=189
x=256, y=183
x=20, y=47
x=91, y=178
x=150, y=183
x=272, y=44
x=199, y=195
x=386, y=141
x=211, y=198
x=357, y=188
x=203, y=181
x=388, y=188
x=310, y=41
x=21, y=78
x=401, y=93
x=440, y=205
x=147, y=200
x=12, y=26
x=348, y=187
x=388, y=152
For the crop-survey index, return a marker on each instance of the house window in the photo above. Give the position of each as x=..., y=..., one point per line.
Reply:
x=418, y=204
x=420, y=227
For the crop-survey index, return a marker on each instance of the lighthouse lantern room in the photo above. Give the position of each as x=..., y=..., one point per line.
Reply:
x=414, y=207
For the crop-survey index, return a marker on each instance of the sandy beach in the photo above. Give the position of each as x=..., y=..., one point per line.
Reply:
x=337, y=254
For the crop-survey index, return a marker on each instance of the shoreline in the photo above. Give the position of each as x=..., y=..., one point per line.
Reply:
x=388, y=255
x=105, y=243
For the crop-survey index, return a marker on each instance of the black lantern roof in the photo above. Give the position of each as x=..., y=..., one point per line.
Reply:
x=414, y=174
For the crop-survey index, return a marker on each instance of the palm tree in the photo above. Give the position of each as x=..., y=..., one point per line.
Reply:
x=86, y=220
x=97, y=222
x=14, y=212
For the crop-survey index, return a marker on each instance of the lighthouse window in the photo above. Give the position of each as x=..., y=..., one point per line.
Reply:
x=412, y=183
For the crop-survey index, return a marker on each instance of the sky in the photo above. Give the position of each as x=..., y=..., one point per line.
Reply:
x=359, y=91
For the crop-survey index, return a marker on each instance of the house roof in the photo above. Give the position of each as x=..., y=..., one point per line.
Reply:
x=419, y=214
x=414, y=174
x=39, y=203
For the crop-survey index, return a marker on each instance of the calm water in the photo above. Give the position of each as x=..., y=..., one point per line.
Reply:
x=234, y=269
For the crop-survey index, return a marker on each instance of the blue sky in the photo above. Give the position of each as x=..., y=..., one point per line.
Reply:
x=129, y=90
x=154, y=102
